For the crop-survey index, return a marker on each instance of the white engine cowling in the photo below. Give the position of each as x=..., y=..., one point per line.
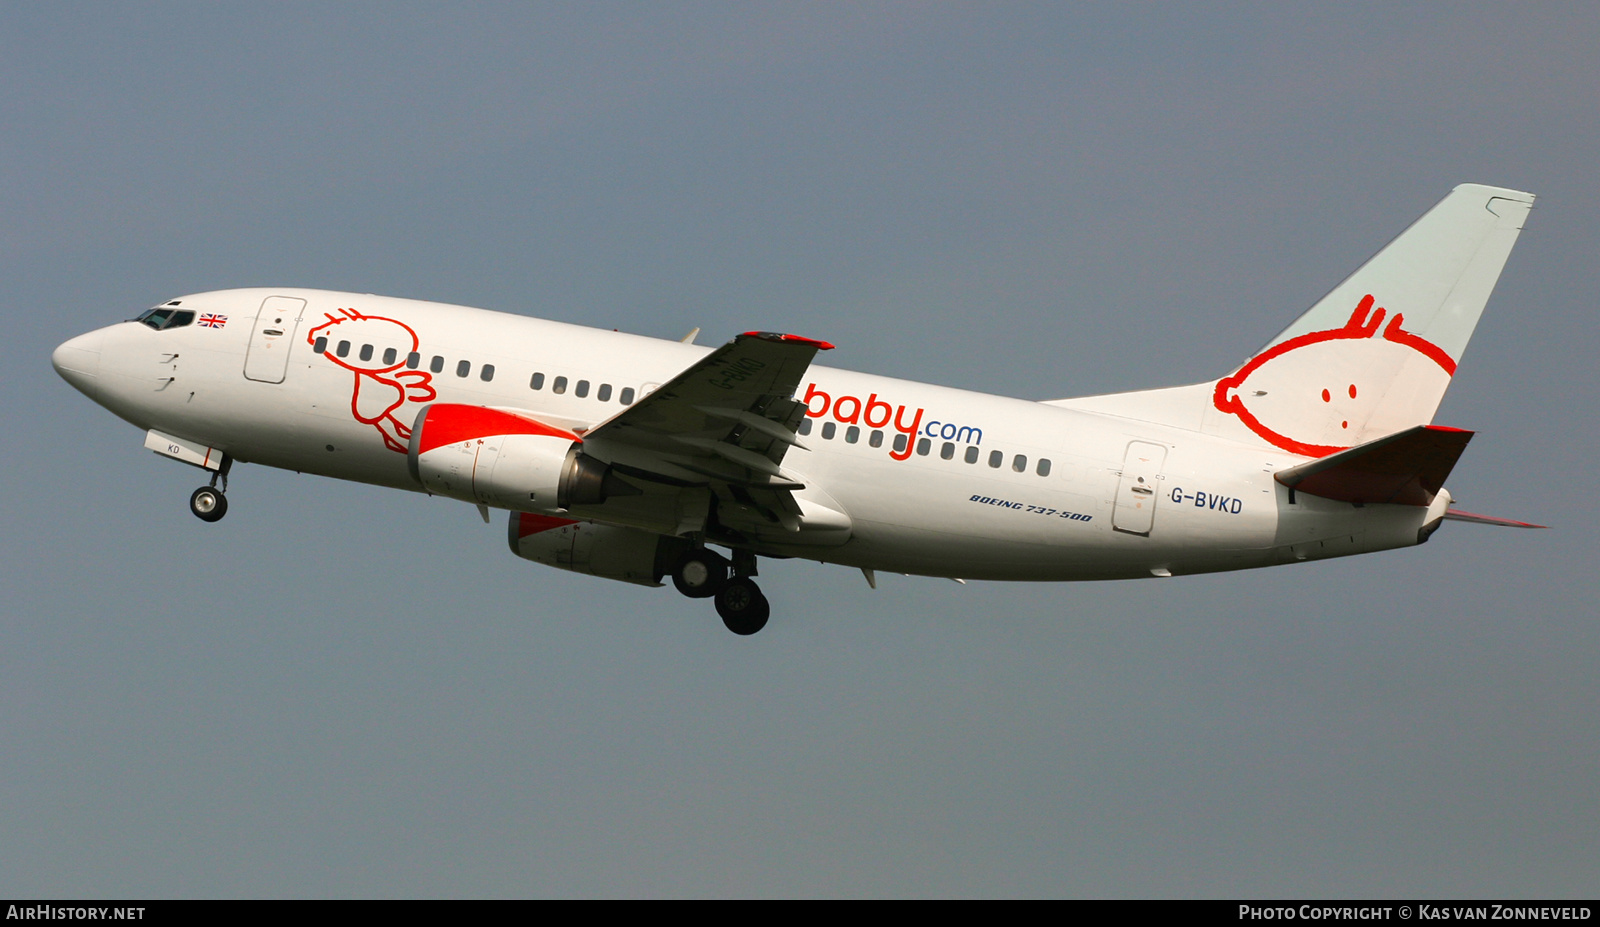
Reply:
x=502, y=459
x=490, y=457
x=625, y=554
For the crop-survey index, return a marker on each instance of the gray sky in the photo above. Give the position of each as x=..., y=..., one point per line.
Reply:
x=347, y=691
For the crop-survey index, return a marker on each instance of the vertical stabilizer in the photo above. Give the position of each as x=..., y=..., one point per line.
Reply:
x=1376, y=355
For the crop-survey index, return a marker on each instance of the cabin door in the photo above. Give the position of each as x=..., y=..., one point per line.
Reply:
x=267, y=358
x=1135, y=509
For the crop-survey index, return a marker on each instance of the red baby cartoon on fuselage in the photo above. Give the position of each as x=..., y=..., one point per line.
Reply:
x=1315, y=393
x=379, y=389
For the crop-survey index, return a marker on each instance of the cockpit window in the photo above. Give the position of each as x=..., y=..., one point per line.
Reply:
x=163, y=317
x=155, y=318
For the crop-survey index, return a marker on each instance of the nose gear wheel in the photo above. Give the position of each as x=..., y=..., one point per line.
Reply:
x=208, y=504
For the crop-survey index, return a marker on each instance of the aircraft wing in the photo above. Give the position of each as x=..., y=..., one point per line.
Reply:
x=727, y=421
x=1407, y=468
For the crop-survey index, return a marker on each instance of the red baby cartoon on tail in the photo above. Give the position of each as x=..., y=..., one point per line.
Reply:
x=379, y=390
x=1324, y=391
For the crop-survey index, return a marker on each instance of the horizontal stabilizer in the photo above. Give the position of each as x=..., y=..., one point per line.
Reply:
x=1458, y=515
x=1405, y=468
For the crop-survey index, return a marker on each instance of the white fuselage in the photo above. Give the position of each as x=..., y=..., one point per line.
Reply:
x=1206, y=503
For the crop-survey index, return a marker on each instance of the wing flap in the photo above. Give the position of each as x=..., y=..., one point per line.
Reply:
x=1406, y=468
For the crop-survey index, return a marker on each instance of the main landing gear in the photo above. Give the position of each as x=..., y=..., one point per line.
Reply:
x=208, y=503
x=743, y=608
x=705, y=574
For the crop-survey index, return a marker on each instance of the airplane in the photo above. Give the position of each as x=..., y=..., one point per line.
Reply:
x=632, y=458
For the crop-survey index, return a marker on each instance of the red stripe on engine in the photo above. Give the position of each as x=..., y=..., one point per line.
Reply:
x=450, y=423
x=528, y=523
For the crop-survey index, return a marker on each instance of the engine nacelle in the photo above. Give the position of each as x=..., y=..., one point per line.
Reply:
x=501, y=459
x=626, y=554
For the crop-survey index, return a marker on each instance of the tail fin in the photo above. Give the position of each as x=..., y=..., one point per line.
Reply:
x=1376, y=355
x=1373, y=357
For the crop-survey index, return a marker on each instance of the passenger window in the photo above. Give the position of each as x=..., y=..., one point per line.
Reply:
x=852, y=435
x=804, y=428
x=995, y=457
x=923, y=445
x=583, y=389
x=389, y=355
x=828, y=429
x=343, y=350
x=876, y=440
x=463, y=368
x=320, y=345
x=972, y=453
x=366, y=352
x=413, y=360
x=900, y=443
x=1043, y=468
x=1019, y=463
x=437, y=364
x=948, y=451
x=604, y=393
x=487, y=373
x=627, y=395
x=559, y=386
x=537, y=382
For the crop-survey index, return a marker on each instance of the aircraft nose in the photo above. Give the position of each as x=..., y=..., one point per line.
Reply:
x=78, y=362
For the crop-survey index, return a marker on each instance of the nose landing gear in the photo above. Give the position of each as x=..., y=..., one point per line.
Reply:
x=208, y=503
x=704, y=574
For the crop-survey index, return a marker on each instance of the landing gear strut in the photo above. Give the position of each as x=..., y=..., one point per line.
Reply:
x=704, y=574
x=208, y=503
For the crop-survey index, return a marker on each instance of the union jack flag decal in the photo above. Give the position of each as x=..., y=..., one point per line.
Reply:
x=212, y=320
